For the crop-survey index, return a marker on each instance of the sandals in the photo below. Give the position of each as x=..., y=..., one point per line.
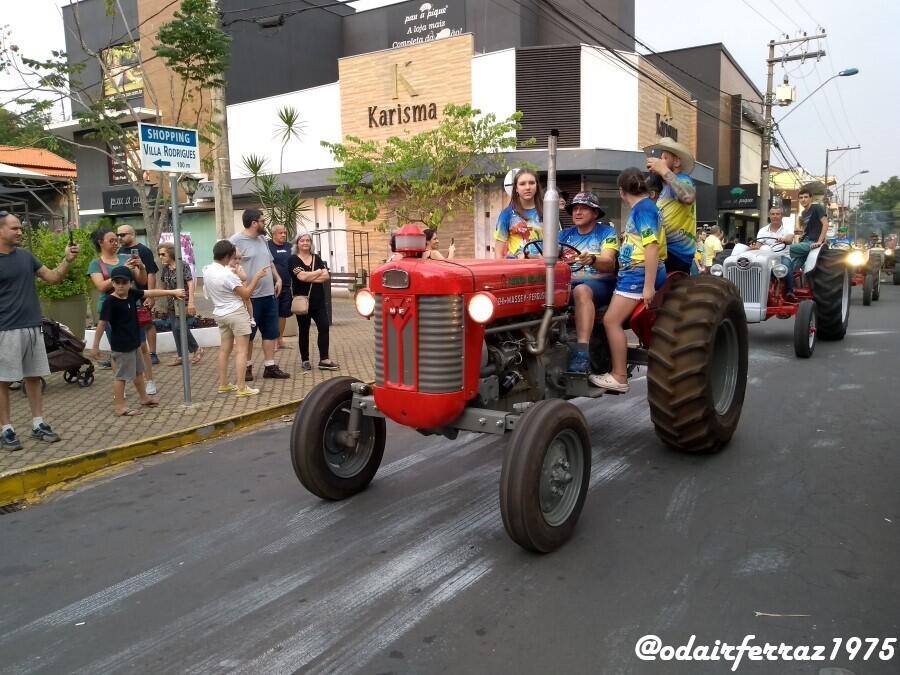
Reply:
x=128, y=412
x=609, y=383
x=196, y=357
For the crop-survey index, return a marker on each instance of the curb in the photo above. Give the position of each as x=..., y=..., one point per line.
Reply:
x=32, y=480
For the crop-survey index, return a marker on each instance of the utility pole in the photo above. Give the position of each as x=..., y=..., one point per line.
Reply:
x=222, y=197
x=828, y=151
x=768, y=126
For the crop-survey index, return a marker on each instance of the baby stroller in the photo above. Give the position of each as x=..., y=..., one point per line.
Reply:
x=64, y=352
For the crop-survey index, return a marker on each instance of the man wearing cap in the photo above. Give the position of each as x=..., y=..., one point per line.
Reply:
x=22, y=352
x=593, y=284
x=673, y=162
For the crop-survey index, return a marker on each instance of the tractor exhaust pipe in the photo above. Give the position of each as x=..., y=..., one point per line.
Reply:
x=550, y=246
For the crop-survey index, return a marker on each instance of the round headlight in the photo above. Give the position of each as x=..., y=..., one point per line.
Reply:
x=856, y=258
x=717, y=270
x=365, y=302
x=780, y=270
x=481, y=307
x=889, y=251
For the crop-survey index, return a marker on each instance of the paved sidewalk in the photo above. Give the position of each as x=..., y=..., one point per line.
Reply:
x=84, y=417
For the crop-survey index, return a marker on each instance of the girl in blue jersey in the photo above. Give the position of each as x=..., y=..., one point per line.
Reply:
x=641, y=272
x=520, y=222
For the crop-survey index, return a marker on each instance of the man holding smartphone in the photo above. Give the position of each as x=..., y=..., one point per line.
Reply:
x=673, y=162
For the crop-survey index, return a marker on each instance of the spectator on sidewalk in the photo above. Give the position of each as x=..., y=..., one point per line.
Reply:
x=308, y=276
x=228, y=294
x=712, y=245
x=120, y=313
x=255, y=256
x=22, y=352
x=280, y=248
x=169, y=281
x=111, y=255
x=128, y=244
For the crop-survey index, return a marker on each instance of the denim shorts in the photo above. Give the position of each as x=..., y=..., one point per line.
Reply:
x=265, y=313
x=601, y=288
x=284, y=303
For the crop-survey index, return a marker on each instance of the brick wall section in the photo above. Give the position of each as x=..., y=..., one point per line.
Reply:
x=459, y=225
x=652, y=100
x=439, y=72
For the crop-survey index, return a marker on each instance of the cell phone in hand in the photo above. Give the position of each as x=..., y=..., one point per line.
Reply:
x=135, y=255
x=654, y=152
x=452, y=242
x=71, y=238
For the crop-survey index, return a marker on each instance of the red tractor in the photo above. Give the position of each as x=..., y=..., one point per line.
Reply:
x=483, y=346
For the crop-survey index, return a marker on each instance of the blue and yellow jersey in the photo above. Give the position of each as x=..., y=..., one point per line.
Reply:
x=680, y=221
x=517, y=231
x=601, y=238
x=644, y=227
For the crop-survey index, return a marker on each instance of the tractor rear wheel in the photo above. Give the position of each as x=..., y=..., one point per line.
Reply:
x=876, y=289
x=896, y=277
x=545, y=475
x=805, y=329
x=831, y=290
x=328, y=467
x=698, y=364
x=868, y=287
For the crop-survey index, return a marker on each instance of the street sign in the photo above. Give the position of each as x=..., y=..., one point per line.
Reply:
x=169, y=149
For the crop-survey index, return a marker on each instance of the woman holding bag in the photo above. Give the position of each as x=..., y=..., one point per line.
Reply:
x=308, y=276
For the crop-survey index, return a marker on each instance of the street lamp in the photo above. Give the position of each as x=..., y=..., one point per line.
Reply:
x=849, y=72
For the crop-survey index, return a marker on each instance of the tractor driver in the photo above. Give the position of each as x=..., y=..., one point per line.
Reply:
x=592, y=285
x=778, y=236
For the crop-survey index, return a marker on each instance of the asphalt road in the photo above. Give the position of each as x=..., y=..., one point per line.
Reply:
x=214, y=559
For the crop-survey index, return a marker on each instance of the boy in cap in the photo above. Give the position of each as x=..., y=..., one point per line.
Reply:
x=120, y=313
x=673, y=162
x=594, y=283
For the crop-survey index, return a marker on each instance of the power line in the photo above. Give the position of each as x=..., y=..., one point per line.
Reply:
x=281, y=16
x=764, y=17
x=223, y=12
x=784, y=14
x=805, y=11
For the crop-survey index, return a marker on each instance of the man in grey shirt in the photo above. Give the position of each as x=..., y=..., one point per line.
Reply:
x=22, y=352
x=255, y=255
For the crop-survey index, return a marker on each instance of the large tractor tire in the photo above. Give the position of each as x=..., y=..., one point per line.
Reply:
x=831, y=290
x=868, y=288
x=325, y=465
x=876, y=289
x=896, y=277
x=545, y=475
x=698, y=364
x=805, y=329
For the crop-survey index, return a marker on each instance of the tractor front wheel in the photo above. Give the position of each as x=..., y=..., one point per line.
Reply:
x=876, y=289
x=698, y=364
x=868, y=287
x=327, y=461
x=805, y=329
x=545, y=475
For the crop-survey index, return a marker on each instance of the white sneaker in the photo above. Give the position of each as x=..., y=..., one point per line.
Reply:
x=150, y=388
x=608, y=382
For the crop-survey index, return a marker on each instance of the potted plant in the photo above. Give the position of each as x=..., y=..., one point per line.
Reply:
x=65, y=302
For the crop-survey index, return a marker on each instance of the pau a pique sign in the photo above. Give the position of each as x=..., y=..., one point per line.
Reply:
x=414, y=23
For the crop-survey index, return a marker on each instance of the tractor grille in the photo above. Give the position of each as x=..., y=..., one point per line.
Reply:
x=748, y=282
x=440, y=341
x=379, y=352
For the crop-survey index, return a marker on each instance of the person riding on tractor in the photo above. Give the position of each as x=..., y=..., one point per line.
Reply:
x=594, y=274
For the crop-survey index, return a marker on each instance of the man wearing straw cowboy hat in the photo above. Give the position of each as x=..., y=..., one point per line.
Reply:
x=673, y=162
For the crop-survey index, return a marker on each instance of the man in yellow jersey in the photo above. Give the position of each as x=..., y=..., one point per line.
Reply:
x=673, y=162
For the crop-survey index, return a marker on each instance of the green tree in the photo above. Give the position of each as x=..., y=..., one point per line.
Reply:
x=424, y=176
x=195, y=52
x=279, y=203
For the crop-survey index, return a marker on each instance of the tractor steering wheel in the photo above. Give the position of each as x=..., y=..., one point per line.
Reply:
x=567, y=253
x=773, y=243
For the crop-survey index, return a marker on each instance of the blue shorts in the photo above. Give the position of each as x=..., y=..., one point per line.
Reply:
x=284, y=303
x=601, y=288
x=265, y=313
x=632, y=281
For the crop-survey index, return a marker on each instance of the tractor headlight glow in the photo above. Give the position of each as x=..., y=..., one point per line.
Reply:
x=717, y=270
x=889, y=251
x=481, y=307
x=780, y=270
x=365, y=302
x=856, y=258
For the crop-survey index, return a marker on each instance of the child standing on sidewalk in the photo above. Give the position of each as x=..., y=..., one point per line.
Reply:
x=119, y=312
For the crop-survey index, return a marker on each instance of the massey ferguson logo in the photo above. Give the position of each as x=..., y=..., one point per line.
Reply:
x=743, y=263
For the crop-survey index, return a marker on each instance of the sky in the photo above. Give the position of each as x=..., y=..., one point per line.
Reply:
x=860, y=110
